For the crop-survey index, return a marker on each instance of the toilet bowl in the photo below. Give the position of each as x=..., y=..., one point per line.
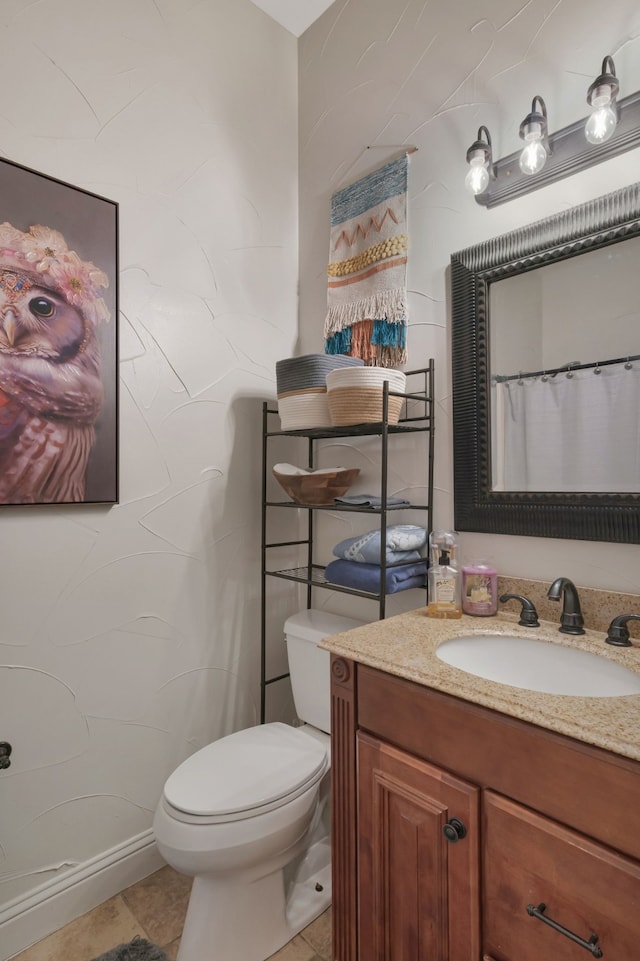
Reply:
x=248, y=817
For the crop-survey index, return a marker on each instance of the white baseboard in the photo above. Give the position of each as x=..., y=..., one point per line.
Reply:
x=55, y=903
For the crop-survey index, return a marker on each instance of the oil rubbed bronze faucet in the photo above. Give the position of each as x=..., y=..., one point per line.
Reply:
x=618, y=633
x=528, y=613
x=571, y=619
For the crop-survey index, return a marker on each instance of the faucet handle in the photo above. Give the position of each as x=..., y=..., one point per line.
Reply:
x=528, y=613
x=618, y=633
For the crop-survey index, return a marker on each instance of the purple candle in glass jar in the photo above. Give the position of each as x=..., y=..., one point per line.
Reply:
x=479, y=589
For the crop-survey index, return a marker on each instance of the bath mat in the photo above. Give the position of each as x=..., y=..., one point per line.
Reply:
x=366, y=290
x=136, y=950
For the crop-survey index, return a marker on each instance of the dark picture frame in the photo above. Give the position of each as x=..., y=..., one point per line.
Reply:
x=614, y=517
x=58, y=341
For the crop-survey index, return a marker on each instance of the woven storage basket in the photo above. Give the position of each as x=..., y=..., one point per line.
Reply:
x=367, y=377
x=304, y=410
x=355, y=395
x=360, y=405
x=309, y=371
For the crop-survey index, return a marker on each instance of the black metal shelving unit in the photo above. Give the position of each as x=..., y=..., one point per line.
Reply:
x=417, y=416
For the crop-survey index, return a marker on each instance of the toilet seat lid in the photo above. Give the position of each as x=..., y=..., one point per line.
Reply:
x=249, y=771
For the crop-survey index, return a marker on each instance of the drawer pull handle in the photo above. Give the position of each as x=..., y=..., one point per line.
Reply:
x=591, y=945
x=454, y=830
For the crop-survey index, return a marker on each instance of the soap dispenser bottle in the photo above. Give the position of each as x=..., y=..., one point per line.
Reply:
x=444, y=598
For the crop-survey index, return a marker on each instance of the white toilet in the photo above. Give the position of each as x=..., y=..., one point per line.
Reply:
x=248, y=817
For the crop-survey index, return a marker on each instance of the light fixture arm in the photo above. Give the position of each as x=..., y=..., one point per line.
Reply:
x=533, y=130
x=536, y=121
x=482, y=146
x=607, y=79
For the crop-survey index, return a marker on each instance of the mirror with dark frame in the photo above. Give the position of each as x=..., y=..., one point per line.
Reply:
x=546, y=376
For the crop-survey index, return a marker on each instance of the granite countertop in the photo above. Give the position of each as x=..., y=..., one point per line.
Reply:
x=405, y=646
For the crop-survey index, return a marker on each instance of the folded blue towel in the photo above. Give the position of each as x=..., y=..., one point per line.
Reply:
x=366, y=577
x=403, y=543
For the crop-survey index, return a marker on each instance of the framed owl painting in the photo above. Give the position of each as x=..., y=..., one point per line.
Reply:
x=58, y=341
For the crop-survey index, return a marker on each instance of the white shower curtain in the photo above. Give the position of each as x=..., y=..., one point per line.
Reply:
x=578, y=433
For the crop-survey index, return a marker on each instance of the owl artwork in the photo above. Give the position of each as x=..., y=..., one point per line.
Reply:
x=51, y=390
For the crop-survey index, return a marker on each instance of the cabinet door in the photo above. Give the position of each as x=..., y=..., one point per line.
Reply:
x=589, y=892
x=418, y=892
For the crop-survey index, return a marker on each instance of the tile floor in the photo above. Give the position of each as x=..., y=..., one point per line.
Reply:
x=154, y=909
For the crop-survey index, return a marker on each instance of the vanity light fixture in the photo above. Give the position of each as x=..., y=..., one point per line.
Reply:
x=601, y=97
x=479, y=158
x=611, y=129
x=533, y=130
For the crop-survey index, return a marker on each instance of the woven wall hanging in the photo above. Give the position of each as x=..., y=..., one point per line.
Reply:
x=367, y=295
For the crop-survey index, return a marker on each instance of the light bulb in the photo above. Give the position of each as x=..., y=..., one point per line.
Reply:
x=479, y=159
x=477, y=179
x=533, y=157
x=601, y=97
x=533, y=131
x=602, y=122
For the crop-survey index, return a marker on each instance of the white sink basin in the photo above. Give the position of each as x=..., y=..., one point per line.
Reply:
x=539, y=665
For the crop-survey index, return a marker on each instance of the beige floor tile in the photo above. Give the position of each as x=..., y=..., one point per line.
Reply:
x=318, y=934
x=87, y=937
x=159, y=902
x=155, y=908
x=171, y=950
x=296, y=950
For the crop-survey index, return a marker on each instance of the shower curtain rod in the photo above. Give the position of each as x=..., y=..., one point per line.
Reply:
x=566, y=369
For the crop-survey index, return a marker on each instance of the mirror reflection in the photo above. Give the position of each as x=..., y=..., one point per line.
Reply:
x=564, y=353
x=535, y=301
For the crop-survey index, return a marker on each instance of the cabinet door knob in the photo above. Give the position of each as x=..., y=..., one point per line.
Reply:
x=454, y=830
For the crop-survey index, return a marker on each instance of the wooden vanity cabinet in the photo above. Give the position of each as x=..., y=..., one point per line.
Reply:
x=550, y=832
x=403, y=805
x=530, y=861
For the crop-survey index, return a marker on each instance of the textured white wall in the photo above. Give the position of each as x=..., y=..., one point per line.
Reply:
x=130, y=635
x=382, y=73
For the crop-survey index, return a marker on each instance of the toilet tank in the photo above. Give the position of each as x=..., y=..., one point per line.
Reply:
x=309, y=666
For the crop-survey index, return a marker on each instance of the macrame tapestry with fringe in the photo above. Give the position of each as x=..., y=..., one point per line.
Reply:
x=367, y=295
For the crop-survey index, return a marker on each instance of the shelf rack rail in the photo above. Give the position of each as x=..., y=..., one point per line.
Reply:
x=416, y=416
